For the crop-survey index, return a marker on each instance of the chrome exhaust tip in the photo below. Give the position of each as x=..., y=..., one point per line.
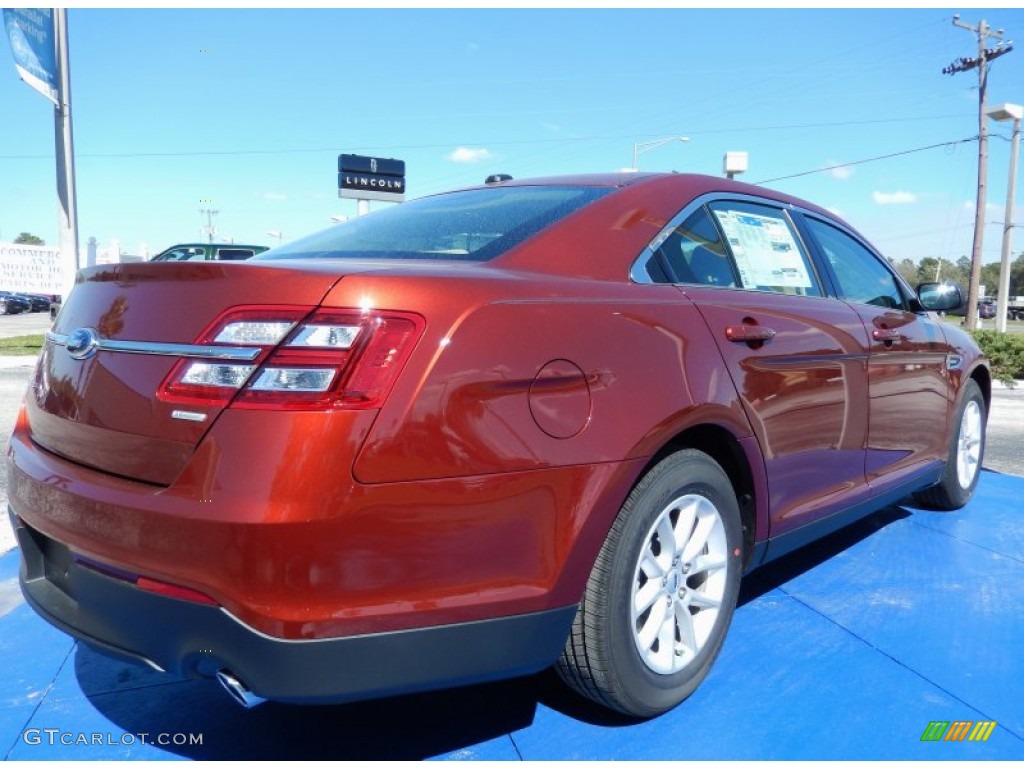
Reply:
x=238, y=690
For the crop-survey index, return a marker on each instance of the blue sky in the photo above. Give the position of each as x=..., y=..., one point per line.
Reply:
x=250, y=108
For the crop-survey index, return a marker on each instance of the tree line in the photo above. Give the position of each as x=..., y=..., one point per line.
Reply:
x=930, y=269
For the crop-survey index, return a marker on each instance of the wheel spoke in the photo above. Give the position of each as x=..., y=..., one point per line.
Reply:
x=704, y=600
x=699, y=538
x=665, y=654
x=667, y=538
x=687, y=636
x=706, y=563
x=652, y=626
x=646, y=595
x=650, y=565
x=684, y=527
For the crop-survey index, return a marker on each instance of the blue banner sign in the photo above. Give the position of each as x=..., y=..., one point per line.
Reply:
x=32, y=37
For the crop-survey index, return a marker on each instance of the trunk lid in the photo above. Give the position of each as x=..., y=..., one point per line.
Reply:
x=100, y=407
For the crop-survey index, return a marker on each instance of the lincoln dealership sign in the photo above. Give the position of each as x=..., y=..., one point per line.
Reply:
x=371, y=178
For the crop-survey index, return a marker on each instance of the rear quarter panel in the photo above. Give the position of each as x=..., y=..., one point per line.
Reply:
x=627, y=366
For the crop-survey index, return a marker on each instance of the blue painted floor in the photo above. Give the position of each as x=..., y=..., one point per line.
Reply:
x=844, y=652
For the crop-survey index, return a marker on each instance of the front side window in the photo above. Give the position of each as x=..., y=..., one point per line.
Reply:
x=471, y=225
x=860, y=275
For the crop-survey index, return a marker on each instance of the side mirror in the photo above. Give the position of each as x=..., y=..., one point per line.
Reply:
x=940, y=297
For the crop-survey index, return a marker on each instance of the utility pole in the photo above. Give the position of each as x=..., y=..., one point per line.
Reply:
x=210, y=213
x=964, y=64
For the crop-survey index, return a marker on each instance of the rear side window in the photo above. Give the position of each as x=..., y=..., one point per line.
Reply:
x=472, y=225
x=694, y=253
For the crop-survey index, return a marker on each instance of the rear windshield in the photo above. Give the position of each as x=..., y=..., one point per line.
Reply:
x=473, y=225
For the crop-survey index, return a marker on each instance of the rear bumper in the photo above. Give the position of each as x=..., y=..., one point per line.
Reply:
x=196, y=640
x=297, y=550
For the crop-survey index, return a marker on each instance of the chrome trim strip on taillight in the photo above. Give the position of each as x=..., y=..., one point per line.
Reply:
x=204, y=351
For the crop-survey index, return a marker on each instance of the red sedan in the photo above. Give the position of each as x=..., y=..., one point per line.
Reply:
x=539, y=422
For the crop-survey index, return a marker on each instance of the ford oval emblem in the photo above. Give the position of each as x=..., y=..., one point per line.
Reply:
x=83, y=343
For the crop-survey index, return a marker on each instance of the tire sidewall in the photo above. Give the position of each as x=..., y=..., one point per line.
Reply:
x=689, y=472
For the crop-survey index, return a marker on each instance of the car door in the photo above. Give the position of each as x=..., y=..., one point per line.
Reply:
x=908, y=381
x=797, y=357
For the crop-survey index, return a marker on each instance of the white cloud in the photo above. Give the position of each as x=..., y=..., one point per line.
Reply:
x=276, y=196
x=989, y=207
x=468, y=155
x=893, y=198
x=841, y=172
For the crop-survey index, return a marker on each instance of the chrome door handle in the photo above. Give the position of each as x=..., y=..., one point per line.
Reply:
x=748, y=333
x=885, y=335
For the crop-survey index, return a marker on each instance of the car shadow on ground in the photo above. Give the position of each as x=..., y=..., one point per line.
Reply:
x=775, y=574
x=410, y=727
x=469, y=722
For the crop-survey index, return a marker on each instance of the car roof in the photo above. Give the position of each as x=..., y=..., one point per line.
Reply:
x=637, y=207
x=696, y=184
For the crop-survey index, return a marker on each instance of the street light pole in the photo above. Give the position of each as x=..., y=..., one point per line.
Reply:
x=643, y=146
x=1007, y=112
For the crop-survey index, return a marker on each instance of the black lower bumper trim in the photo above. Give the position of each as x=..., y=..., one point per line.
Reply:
x=195, y=640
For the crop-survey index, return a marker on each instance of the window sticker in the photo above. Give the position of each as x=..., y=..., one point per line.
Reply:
x=766, y=252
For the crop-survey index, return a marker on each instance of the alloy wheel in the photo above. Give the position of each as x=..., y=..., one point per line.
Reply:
x=679, y=584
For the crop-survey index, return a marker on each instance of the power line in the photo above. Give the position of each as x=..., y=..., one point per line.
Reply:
x=869, y=160
x=445, y=145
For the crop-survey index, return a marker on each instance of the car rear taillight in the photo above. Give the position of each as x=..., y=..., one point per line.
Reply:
x=303, y=360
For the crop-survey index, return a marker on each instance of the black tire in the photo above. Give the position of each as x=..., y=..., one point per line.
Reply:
x=608, y=657
x=967, y=443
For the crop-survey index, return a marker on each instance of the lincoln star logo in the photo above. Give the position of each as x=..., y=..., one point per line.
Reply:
x=373, y=165
x=83, y=343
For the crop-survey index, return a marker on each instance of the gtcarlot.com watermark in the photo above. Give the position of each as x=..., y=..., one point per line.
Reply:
x=54, y=736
